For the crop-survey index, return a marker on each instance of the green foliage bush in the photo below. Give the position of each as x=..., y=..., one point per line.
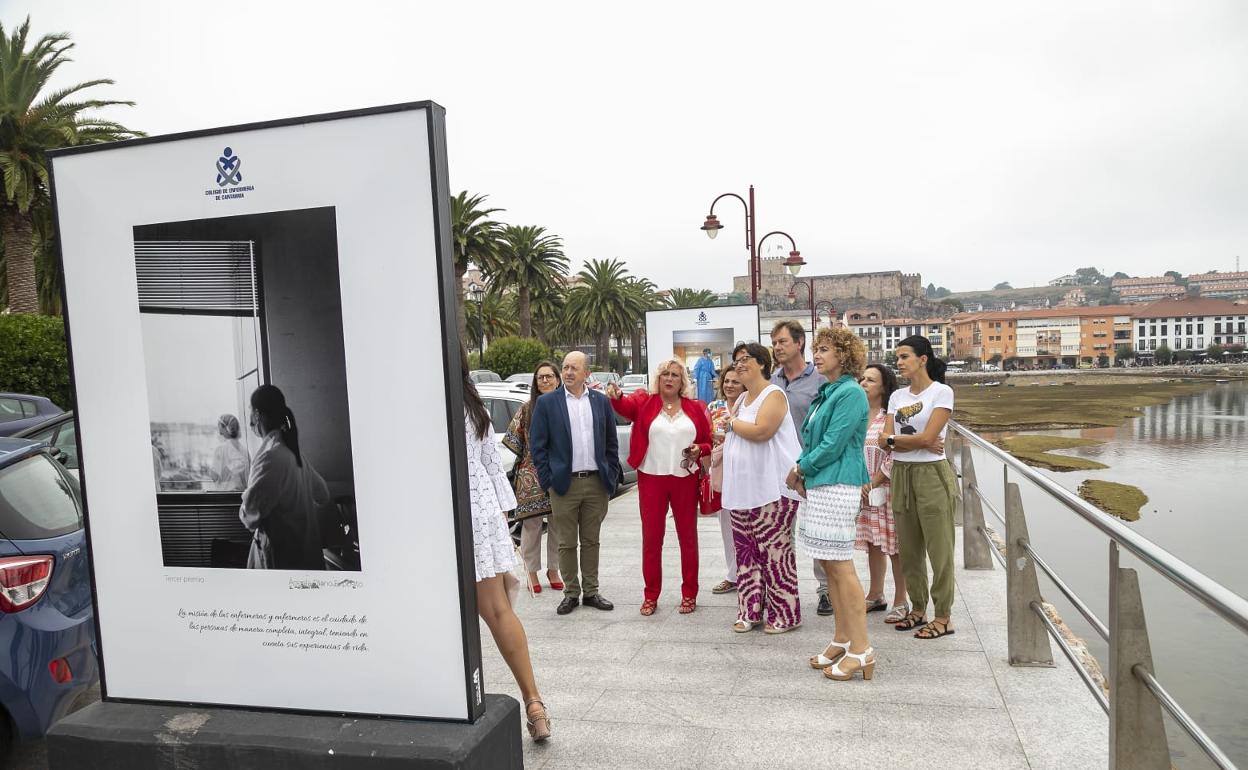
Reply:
x=33, y=358
x=508, y=355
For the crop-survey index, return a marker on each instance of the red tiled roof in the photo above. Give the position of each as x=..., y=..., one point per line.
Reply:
x=1092, y=311
x=1188, y=306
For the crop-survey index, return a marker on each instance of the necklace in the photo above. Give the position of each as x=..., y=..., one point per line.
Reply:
x=671, y=408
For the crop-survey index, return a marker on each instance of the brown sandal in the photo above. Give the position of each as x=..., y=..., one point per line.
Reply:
x=532, y=720
x=913, y=620
x=934, y=630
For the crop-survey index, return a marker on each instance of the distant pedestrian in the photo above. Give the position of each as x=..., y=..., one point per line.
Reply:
x=923, y=484
x=493, y=553
x=801, y=383
x=532, y=502
x=230, y=460
x=830, y=474
x=704, y=373
x=730, y=388
x=671, y=432
x=576, y=452
x=877, y=530
x=760, y=447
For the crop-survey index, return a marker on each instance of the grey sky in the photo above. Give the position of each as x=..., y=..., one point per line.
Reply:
x=971, y=142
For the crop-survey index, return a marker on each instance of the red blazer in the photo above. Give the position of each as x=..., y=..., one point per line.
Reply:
x=642, y=407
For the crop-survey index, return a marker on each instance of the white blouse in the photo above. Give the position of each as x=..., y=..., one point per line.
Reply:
x=669, y=436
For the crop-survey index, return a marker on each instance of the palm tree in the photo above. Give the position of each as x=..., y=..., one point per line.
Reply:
x=692, y=297
x=529, y=261
x=498, y=314
x=643, y=296
x=602, y=302
x=29, y=127
x=474, y=239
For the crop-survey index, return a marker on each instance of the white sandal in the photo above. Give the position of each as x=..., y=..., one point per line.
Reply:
x=743, y=626
x=864, y=663
x=897, y=614
x=821, y=661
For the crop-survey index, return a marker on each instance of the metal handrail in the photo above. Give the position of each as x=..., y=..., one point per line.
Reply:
x=1224, y=602
x=1176, y=711
x=1066, y=649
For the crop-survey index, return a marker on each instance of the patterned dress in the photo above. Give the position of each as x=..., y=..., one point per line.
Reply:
x=491, y=497
x=875, y=524
x=530, y=499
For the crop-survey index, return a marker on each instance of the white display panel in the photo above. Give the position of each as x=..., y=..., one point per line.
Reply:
x=371, y=368
x=685, y=332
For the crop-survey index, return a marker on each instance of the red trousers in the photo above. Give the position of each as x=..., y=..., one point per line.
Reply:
x=655, y=495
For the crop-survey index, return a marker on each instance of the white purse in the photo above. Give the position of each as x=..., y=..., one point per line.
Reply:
x=876, y=497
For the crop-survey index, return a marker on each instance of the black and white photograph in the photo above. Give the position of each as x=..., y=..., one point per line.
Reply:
x=241, y=322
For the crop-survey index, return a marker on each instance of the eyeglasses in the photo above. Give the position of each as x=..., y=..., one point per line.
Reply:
x=541, y=377
x=742, y=360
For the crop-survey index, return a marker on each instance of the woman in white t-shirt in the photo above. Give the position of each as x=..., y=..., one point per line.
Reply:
x=760, y=447
x=923, y=484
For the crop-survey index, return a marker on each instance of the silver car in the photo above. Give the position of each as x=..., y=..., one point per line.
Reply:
x=503, y=400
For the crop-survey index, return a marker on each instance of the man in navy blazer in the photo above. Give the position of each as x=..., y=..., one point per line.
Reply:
x=575, y=448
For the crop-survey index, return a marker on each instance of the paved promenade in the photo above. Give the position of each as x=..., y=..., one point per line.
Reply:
x=685, y=691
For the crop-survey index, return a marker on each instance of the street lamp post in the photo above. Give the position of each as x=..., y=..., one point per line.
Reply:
x=823, y=303
x=477, y=294
x=712, y=227
x=810, y=291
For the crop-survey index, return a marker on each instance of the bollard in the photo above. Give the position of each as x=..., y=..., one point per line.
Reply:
x=975, y=543
x=1137, y=735
x=1029, y=640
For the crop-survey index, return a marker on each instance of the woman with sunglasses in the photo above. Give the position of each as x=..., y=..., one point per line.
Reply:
x=671, y=430
x=532, y=502
x=760, y=446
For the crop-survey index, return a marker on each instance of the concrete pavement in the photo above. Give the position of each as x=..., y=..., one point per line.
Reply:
x=685, y=691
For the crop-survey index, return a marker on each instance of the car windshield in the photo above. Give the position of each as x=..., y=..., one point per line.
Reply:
x=634, y=379
x=36, y=501
x=603, y=376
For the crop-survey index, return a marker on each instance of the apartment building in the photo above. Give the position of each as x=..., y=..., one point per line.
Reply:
x=1193, y=323
x=1220, y=285
x=1044, y=338
x=869, y=326
x=937, y=331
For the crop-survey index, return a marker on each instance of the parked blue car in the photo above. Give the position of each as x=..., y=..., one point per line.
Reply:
x=19, y=411
x=47, y=626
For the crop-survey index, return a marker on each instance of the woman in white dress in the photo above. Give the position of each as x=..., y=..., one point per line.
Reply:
x=494, y=554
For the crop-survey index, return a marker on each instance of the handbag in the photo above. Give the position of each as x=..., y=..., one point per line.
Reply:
x=515, y=577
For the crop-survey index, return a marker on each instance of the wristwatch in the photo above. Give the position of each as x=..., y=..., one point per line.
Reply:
x=891, y=440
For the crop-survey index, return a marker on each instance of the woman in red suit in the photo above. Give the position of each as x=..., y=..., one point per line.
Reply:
x=671, y=430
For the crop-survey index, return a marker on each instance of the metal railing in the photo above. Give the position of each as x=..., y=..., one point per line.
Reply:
x=1137, y=738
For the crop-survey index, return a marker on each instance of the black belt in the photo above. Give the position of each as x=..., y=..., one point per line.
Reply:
x=583, y=474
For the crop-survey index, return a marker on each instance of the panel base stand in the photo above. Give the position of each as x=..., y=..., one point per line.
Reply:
x=136, y=736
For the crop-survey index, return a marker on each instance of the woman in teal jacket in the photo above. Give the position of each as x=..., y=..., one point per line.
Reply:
x=830, y=473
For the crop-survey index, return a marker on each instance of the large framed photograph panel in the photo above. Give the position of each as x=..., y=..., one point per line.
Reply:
x=685, y=333
x=316, y=557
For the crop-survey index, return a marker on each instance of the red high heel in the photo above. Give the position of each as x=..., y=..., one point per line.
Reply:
x=555, y=585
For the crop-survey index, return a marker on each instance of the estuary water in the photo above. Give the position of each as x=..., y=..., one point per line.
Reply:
x=1190, y=457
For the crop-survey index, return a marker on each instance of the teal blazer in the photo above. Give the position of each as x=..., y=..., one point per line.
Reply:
x=834, y=434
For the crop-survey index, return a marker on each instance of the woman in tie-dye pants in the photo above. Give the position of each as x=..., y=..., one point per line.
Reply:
x=766, y=566
x=760, y=445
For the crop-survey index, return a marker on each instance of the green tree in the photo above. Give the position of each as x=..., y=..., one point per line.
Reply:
x=692, y=297
x=33, y=357
x=644, y=296
x=1002, y=286
x=495, y=312
x=511, y=355
x=953, y=304
x=30, y=126
x=890, y=358
x=1214, y=352
x=1163, y=355
x=529, y=260
x=474, y=240
x=601, y=302
x=1088, y=276
x=995, y=359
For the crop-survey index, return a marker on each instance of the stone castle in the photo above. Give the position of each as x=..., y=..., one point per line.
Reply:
x=893, y=293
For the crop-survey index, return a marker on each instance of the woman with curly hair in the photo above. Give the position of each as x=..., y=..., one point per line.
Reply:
x=830, y=474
